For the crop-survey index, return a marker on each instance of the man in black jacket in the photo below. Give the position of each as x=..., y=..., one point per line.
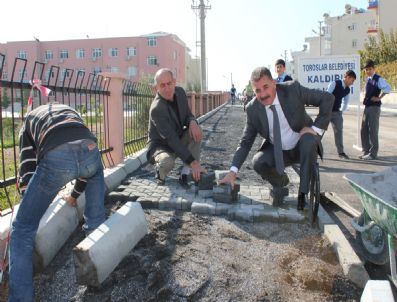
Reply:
x=173, y=130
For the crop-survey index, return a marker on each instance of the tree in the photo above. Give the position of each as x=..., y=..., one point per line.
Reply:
x=381, y=49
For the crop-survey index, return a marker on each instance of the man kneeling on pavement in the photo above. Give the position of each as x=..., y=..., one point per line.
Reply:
x=173, y=130
x=278, y=114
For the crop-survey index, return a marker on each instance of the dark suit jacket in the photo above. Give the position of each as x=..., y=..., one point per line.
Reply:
x=165, y=129
x=287, y=78
x=293, y=97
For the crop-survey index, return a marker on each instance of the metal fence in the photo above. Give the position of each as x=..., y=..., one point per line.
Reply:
x=86, y=93
x=137, y=98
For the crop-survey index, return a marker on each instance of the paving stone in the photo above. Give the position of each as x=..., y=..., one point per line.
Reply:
x=220, y=174
x=222, y=208
x=266, y=214
x=207, y=208
x=121, y=188
x=207, y=181
x=290, y=215
x=169, y=204
x=147, y=203
x=118, y=196
x=241, y=214
x=244, y=199
x=205, y=193
x=186, y=205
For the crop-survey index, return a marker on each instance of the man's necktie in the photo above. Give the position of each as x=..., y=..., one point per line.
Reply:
x=278, y=151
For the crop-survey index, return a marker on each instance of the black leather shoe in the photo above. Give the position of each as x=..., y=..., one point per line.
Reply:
x=183, y=181
x=343, y=155
x=302, y=201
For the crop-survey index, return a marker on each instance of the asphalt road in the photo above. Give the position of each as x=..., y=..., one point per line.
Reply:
x=333, y=168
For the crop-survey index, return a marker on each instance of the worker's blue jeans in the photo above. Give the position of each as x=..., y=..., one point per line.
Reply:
x=58, y=167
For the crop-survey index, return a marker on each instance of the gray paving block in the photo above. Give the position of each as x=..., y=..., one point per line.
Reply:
x=206, y=208
x=98, y=254
x=207, y=181
x=118, y=196
x=114, y=177
x=147, y=203
x=291, y=215
x=266, y=214
x=205, y=193
x=222, y=208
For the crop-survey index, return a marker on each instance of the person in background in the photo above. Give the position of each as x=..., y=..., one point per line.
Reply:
x=233, y=93
x=173, y=131
x=341, y=91
x=280, y=70
x=375, y=89
x=299, y=136
x=55, y=148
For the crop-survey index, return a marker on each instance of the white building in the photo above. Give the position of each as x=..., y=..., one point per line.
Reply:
x=347, y=34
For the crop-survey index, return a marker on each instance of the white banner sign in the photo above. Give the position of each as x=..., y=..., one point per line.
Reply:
x=318, y=72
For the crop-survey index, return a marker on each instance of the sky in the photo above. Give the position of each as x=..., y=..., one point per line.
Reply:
x=240, y=34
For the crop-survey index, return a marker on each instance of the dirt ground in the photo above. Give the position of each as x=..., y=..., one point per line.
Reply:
x=187, y=257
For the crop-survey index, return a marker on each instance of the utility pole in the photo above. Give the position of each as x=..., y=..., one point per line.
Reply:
x=320, y=31
x=201, y=10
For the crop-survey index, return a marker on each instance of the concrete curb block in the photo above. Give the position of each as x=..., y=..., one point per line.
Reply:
x=98, y=254
x=57, y=224
x=351, y=264
x=206, y=116
x=114, y=177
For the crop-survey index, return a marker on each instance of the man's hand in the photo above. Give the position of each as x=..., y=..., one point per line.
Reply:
x=195, y=131
x=230, y=178
x=197, y=169
x=70, y=200
x=305, y=130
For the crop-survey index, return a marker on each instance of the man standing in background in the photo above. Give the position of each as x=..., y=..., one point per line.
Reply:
x=375, y=89
x=280, y=70
x=341, y=91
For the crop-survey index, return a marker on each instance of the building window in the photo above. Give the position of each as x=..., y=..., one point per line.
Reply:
x=113, y=52
x=47, y=75
x=131, y=51
x=80, y=53
x=22, y=54
x=48, y=55
x=63, y=54
x=5, y=75
x=132, y=71
x=352, y=26
x=354, y=43
x=97, y=70
x=96, y=53
x=174, y=55
x=152, y=60
x=114, y=69
x=151, y=41
x=64, y=74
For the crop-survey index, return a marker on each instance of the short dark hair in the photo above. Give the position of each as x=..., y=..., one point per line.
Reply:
x=259, y=73
x=280, y=62
x=369, y=64
x=351, y=74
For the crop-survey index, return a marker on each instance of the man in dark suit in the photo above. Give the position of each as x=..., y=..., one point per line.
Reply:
x=282, y=76
x=300, y=136
x=173, y=130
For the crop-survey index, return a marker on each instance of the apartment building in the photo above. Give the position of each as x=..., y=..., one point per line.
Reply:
x=348, y=33
x=136, y=57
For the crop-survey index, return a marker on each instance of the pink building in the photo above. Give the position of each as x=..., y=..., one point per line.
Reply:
x=136, y=57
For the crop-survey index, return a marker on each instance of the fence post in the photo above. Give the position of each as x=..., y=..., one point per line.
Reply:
x=114, y=116
x=193, y=103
